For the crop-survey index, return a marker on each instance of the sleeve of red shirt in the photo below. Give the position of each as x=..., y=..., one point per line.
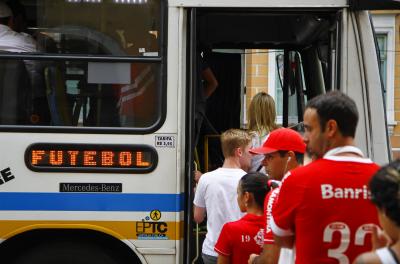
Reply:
x=224, y=243
x=284, y=212
x=269, y=204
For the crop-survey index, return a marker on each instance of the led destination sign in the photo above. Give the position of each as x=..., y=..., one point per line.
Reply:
x=91, y=158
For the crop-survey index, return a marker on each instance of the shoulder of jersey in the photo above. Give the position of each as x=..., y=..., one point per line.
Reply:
x=305, y=170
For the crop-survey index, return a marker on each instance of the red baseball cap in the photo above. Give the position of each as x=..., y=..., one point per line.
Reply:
x=281, y=139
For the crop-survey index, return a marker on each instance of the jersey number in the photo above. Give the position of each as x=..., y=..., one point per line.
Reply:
x=246, y=238
x=344, y=230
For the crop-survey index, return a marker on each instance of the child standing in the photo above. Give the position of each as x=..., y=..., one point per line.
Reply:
x=241, y=238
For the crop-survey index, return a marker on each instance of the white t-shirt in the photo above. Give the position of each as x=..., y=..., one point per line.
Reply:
x=385, y=256
x=15, y=42
x=217, y=192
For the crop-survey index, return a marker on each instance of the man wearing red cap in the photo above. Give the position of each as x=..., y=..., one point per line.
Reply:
x=283, y=150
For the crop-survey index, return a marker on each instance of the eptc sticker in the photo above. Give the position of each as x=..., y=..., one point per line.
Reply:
x=152, y=230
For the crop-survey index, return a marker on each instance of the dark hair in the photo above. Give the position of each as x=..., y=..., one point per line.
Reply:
x=299, y=156
x=17, y=8
x=257, y=184
x=339, y=107
x=4, y=20
x=385, y=190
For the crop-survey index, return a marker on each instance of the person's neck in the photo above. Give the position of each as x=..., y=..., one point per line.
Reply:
x=255, y=211
x=340, y=142
x=293, y=166
x=231, y=163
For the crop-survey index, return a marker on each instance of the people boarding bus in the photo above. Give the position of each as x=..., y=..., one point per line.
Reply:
x=97, y=152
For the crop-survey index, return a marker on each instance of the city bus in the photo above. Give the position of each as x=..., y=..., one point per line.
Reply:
x=97, y=123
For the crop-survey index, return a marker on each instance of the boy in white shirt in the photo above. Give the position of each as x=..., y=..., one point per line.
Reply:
x=216, y=192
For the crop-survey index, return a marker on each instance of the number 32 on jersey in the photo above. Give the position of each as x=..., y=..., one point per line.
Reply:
x=344, y=230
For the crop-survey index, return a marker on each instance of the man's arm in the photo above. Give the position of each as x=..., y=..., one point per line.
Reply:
x=283, y=216
x=283, y=238
x=199, y=214
x=211, y=82
x=286, y=241
x=223, y=259
x=269, y=255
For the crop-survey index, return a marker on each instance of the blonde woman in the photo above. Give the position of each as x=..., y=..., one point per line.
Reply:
x=261, y=117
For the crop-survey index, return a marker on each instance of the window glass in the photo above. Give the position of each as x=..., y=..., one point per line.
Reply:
x=382, y=44
x=45, y=90
x=293, y=97
x=79, y=93
x=101, y=27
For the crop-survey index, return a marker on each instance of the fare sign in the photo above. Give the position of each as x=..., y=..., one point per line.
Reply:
x=91, y=158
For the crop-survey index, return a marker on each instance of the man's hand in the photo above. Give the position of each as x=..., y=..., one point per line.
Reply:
x=197, y=175
x=251, y=258
x=199, y=214
x=379, y=238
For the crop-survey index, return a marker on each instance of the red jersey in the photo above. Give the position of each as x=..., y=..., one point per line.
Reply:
x=241, y=238
x=327, y=206
x=269, y=203
x=138, y=100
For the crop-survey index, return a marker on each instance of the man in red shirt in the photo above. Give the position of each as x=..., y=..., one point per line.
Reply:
x=283, y=150
x=325, y=206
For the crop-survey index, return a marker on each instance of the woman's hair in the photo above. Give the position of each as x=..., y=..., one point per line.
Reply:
x=385, y=190
x=257, y=184
x=262, y=114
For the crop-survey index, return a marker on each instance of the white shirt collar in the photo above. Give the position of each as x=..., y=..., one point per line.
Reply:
x=333, y=155
x=343, y=149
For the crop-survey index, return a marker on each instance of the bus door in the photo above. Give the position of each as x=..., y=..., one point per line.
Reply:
x=315, y=50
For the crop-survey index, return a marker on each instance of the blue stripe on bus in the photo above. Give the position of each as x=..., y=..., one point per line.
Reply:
x=16, y=201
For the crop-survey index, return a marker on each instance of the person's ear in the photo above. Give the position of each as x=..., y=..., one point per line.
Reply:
x=239, y=152
x=290, y=156
x=331, y=127
x=246, y=196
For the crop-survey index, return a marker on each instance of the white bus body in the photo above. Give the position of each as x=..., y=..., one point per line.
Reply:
x=58, y=194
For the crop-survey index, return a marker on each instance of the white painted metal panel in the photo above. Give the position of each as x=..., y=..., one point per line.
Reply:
x=373, y=91
x=360, y=80
x=260, y=3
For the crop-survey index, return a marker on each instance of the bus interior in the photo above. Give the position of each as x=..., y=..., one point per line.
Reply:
x=302, y=50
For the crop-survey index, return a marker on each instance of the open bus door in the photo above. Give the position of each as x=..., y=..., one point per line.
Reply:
x=323, y=50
